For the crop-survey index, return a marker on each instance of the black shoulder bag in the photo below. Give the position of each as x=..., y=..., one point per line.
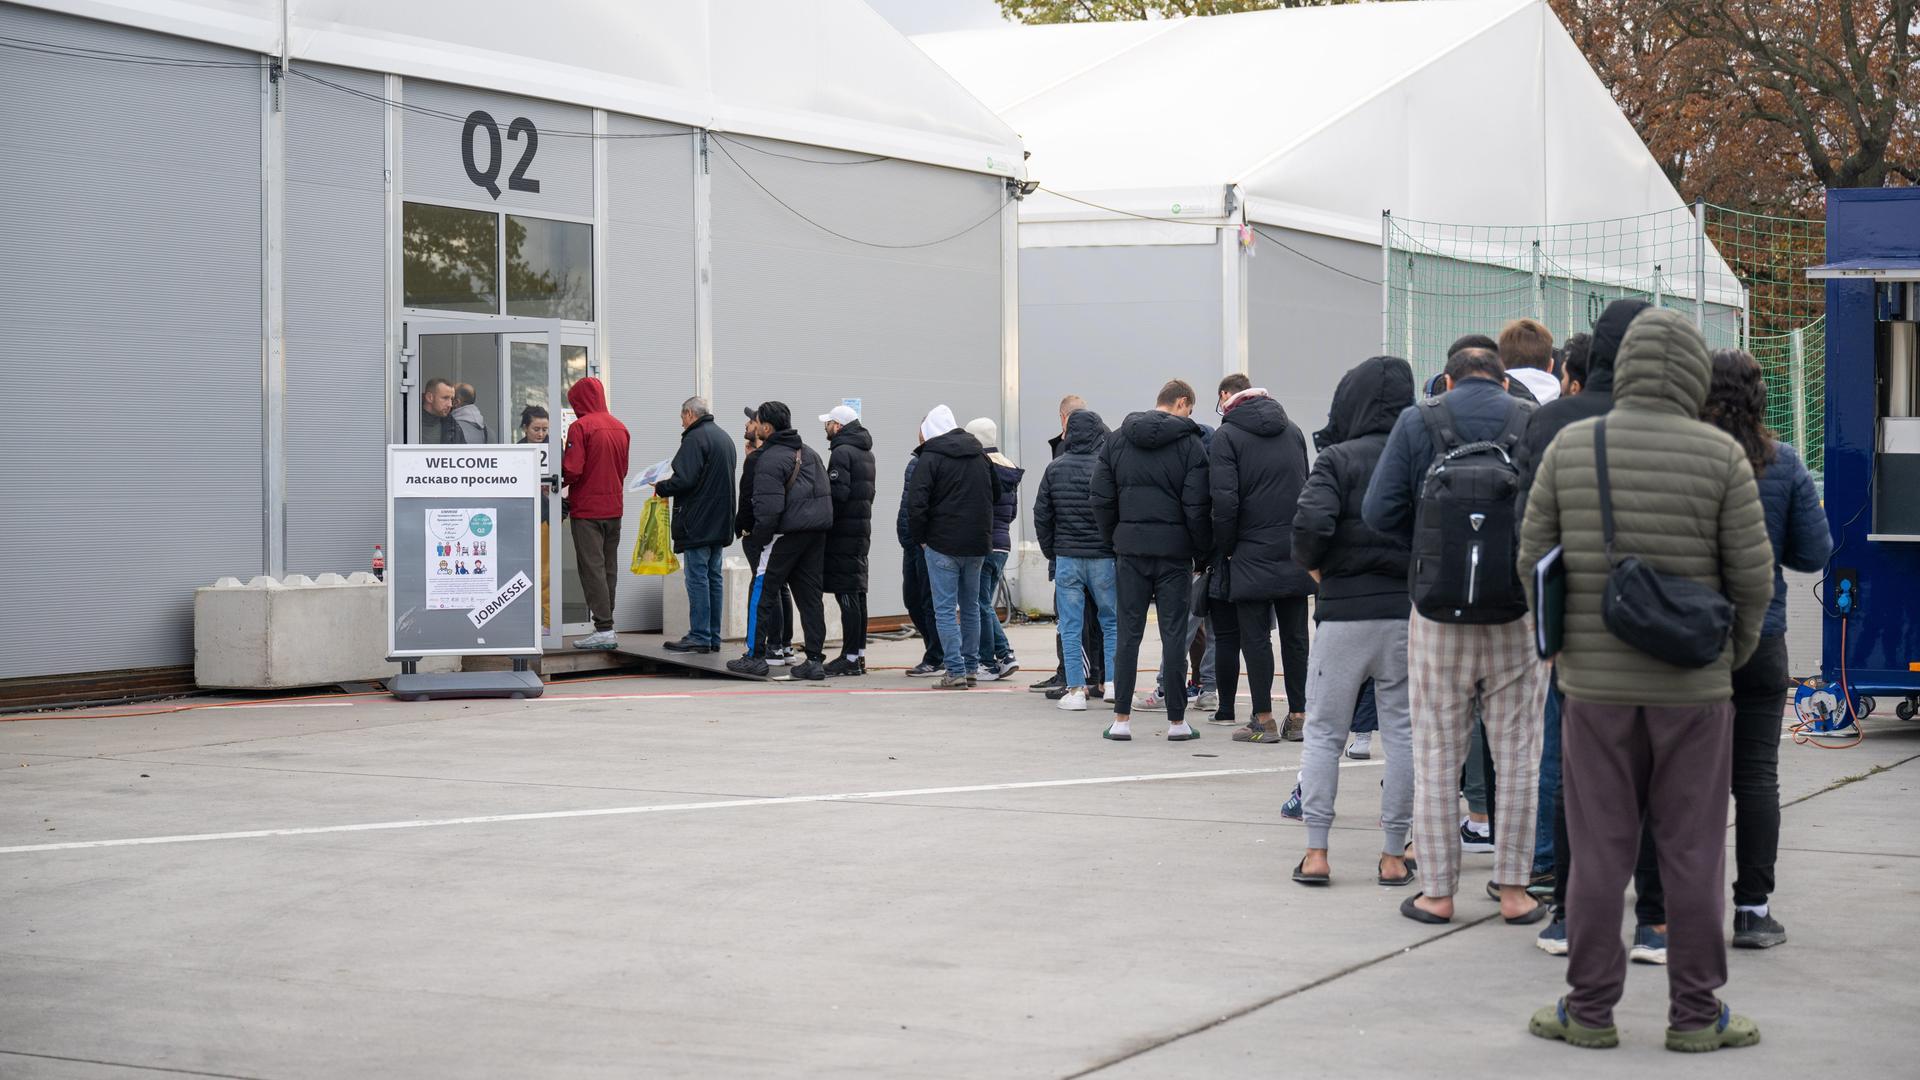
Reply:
x=1670, y=618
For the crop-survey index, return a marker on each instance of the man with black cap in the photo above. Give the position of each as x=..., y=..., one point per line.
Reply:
x=792, y=512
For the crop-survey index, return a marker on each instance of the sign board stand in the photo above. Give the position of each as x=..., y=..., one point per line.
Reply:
x=463, y=566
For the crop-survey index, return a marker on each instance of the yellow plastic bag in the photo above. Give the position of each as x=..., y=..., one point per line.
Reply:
x=653, y=551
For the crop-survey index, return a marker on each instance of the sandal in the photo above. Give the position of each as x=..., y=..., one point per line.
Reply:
x=1382, y=877
x=1300, y=874
x=1535, y=914
x=1553, y=1022
x=1419, y=914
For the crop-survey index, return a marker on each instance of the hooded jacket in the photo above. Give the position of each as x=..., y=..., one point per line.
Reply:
x=1063, y=518
x=853, y=478
x=950, y=503
x=701, y=487
x=472, y=425
x=1796, y=526
x=594, y=465
x=1684, y=502
x=1007, y=506
x=1363, y=573
x=1150, y=488
x=790, y=490
x=1594, y=399
x=1257, y=466
x=1480, y=410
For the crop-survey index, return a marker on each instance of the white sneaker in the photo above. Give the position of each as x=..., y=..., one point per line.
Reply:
x=1360, y=747
x=600, y=639
x=1073, y=701
x=1152, y=701
x=1207, y=701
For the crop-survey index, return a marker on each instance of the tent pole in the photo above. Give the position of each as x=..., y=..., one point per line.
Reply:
x=1010, y=433
x=702, y=270
x=1386, y=281
x=1700, y=265
x=1233, y=286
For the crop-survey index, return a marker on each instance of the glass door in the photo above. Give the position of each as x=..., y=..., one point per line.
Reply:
x=537, y=393
x=487, y=381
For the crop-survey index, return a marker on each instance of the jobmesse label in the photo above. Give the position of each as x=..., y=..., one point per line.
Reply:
x=434, y=472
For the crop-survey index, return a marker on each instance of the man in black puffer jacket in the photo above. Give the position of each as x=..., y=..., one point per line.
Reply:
x=792, y=511
x=950, y=516
x=1081, y=553
x=1362, y=612
x=851, y=473
x=1150, y=497
x=1258, y=464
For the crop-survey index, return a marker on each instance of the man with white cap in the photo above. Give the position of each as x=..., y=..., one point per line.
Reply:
x=852, y=477
x=950, y=519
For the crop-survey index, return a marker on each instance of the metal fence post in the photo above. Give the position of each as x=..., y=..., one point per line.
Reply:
x=1700, y=265
x=1539, y=285
x=1797, y=384
x=1386, y=279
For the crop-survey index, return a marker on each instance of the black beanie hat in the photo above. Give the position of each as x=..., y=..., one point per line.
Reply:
x=1610, y=330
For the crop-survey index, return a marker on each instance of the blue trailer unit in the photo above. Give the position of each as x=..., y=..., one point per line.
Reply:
x=1871, y=639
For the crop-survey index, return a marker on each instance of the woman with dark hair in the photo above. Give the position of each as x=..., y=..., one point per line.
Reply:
x=1736, y=404
x=534, y=424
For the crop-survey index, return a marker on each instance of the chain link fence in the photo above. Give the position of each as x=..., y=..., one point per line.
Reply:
x=1739, y=276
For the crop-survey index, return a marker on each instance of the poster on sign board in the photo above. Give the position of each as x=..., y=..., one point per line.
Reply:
x=460, y=574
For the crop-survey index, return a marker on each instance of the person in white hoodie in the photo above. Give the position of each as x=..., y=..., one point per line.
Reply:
x=1526, y=350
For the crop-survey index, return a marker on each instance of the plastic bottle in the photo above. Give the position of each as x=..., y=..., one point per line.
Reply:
x=379, y=563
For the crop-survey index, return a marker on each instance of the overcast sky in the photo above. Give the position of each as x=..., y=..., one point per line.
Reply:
x=927, y=16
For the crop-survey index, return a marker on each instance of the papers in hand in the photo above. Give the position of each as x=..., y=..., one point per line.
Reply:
x=1550, y=603
x=651, y=475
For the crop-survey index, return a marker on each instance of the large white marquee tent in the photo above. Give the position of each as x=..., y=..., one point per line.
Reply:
x=1306, y=124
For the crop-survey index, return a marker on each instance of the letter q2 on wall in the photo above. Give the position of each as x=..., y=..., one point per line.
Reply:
x=463, y=551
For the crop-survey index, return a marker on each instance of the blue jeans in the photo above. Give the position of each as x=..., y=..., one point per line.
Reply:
x=993, y=640
x=1073, y=579
x=704, y=603
x=956, y=599
x=1366, y=714
x=1549, y=779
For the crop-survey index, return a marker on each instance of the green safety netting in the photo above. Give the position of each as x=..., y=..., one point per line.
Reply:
x=1741, y=276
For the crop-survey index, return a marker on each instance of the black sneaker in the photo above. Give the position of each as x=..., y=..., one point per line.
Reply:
x=749, y=665
x=810, y=670
x=925, y=671
x=1054, y=681
x=845, y=665
x=686, y=644
x=1755, y=931
x=1057, y=693
x=1004, y=669
x=1474, y=842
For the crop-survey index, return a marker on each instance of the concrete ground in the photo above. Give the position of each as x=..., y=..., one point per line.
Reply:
x=669, y=877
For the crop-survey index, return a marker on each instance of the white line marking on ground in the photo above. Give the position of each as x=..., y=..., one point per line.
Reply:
x=606, y=697
x=288, y=705
x=617, y=811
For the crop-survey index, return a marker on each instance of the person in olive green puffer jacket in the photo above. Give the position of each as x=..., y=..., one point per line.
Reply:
x=1642, y=739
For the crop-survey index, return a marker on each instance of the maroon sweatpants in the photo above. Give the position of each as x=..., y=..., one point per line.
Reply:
x=1672, y=764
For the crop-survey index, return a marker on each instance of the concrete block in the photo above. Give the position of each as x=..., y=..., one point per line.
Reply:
x=736, y=584
x=1027, y=574
x=269, y=634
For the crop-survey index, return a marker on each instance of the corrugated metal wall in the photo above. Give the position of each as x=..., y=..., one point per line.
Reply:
x=336, y=310
x=809, y=318
x=647, y=309
x=131, y=361
x=1307, y=325
x=1112, y=324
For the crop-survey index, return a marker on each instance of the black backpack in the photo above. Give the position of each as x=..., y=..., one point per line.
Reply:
x=1466, y=532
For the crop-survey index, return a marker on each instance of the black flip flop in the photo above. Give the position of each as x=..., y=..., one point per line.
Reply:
x=1418, y=914
x=1394, y=883
x=1539, y=912
x=1300, y=875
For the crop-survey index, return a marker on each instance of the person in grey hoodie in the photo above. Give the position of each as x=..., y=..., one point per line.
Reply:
x=473, y=426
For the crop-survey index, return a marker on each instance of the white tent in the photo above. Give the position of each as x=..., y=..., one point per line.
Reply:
x=1307, y=123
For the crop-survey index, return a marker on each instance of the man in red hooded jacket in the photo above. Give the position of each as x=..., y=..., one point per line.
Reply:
x=594, y=472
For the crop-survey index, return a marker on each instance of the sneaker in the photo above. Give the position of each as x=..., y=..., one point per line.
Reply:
x=1118, y=731
x=953, y=682
x=1208, y=701
x=1553, y=940
x=687, y=644
x=1005, y=669
x=1553, y=1022
x=810, y=671
x=1294, y=729
x=973, y=678
x=1223, y=718
x=1752, y=930
x=1181, y=732
x=1541, y=883
x=846, y=665
x=1072, y=701
x=781, y=658
x=1152, y=701
x=1649, y=946
x=1054, y=681
x=749, y=665
x=925, y=671
x=1360, y=747
x=1291, y=808
x=1731, y=1030
x=1103, y=691
x=1253, y=732
x=1059, y=692
x=600, y=640
x=1473, y=841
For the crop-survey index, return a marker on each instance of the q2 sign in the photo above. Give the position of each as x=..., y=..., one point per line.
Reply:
x=480, y=123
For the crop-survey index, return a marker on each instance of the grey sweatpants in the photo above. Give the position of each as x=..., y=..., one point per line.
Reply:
x=1345, y=655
